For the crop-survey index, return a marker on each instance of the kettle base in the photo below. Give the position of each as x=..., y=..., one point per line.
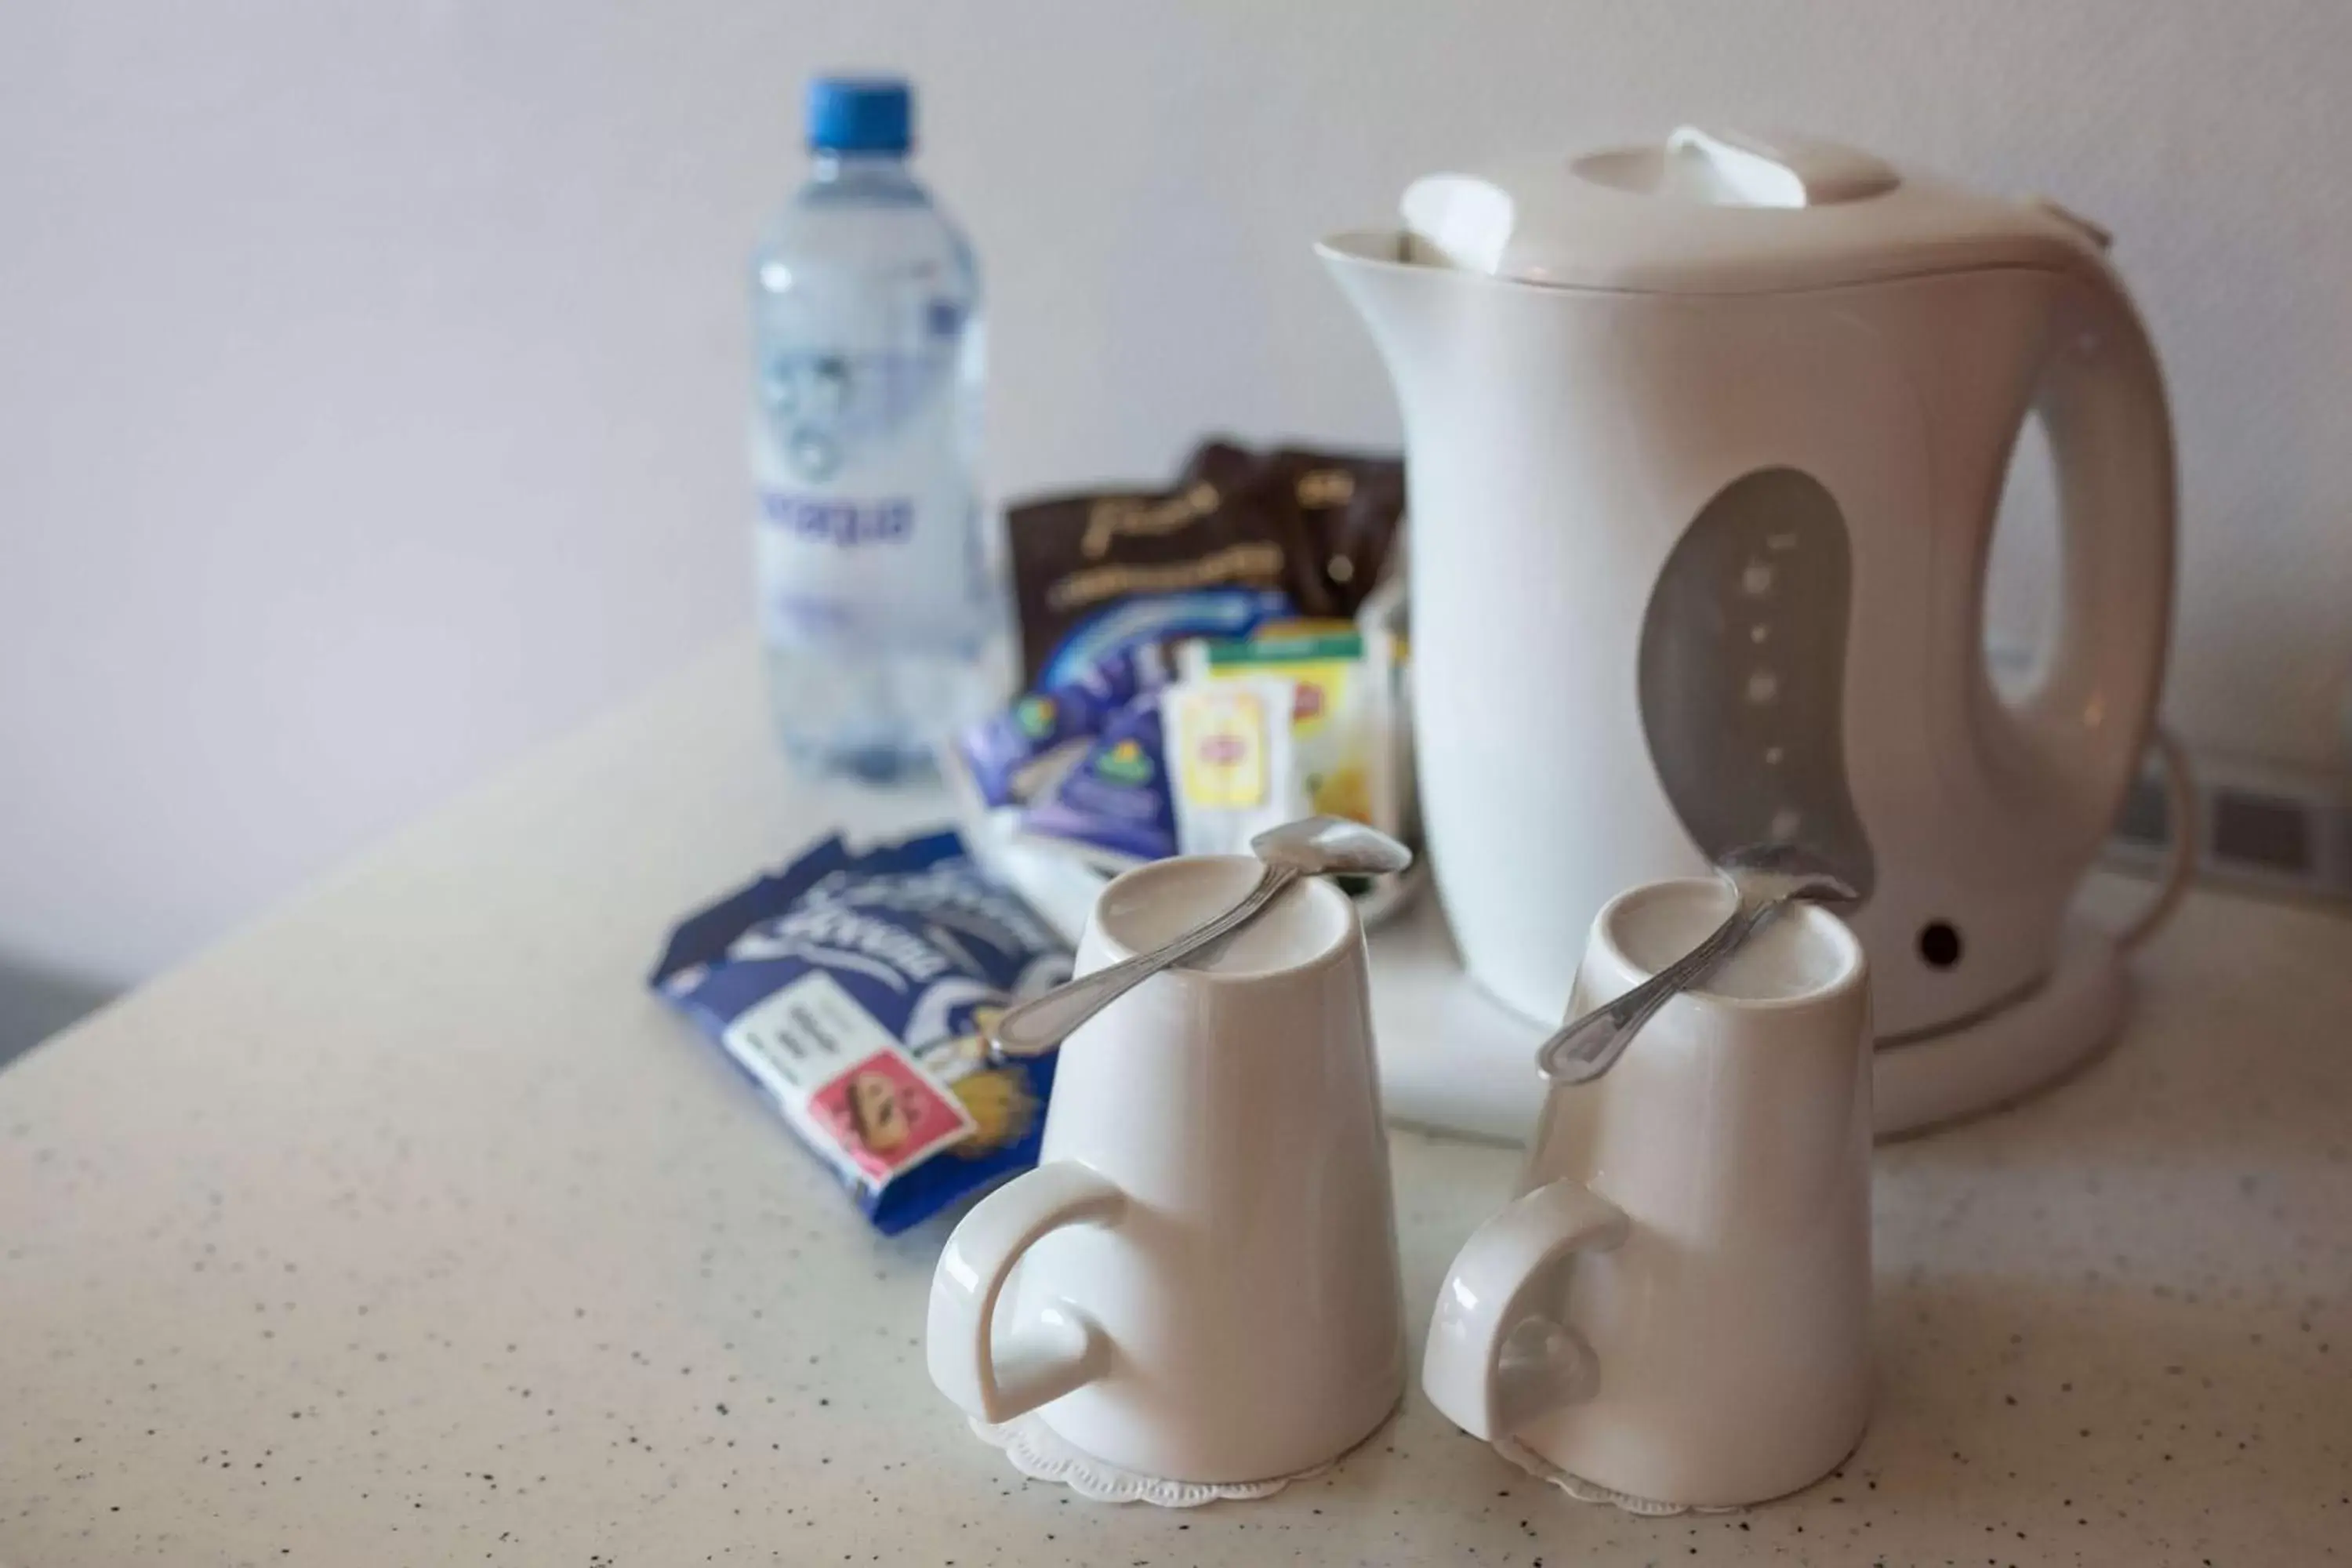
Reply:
x=2005, y=1054
x=1453, y=1059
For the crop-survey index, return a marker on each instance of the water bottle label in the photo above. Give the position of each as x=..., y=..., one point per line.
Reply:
x=866, y=525
x=838, y=520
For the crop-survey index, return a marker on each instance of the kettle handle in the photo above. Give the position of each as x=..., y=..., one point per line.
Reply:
x=2101, y=405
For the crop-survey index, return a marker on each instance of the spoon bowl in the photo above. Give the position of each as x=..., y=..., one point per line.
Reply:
x=1781, y=872
x=1330, y=846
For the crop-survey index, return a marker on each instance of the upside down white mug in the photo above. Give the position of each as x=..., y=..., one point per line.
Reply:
x=1676, y=1306
x=1207, y=1287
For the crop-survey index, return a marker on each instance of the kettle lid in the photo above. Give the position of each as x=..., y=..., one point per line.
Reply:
x=1711, y=212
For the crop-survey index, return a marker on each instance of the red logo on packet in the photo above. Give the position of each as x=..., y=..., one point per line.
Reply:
x=886, y=1115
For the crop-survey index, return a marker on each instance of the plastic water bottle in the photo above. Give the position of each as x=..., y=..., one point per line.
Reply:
x=881, y=604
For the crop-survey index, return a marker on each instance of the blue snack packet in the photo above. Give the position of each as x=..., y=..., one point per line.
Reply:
x=1115, y=808
x=855, y=989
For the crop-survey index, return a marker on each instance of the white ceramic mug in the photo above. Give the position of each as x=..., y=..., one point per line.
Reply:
x=1676, y=1306
x=1208, y=1286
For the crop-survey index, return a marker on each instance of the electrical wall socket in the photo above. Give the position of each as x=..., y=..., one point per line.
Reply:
x=2263, y=826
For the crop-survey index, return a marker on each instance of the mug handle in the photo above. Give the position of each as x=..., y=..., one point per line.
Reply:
x=1041, y=1364
x=1486, y=1295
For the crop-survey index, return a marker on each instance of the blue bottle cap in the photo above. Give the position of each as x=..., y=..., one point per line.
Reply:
x=860, y=114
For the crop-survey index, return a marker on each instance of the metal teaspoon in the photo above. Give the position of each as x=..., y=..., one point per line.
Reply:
x=1311, y=847
x=1763, y=877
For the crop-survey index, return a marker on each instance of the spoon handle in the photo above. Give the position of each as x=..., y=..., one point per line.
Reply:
x=1040, y=1023
x=1584, y=1049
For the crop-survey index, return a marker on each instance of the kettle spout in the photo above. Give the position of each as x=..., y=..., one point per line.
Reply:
x=1397, y=297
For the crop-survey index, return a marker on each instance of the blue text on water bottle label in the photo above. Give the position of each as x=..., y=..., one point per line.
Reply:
x=837, y=520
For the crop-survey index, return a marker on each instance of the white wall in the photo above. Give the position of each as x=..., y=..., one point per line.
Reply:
x=368, y=372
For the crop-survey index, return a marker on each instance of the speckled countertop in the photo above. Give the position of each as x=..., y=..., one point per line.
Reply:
x=405, y=1229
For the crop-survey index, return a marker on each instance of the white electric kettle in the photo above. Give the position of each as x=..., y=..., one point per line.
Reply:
x=1705, y=442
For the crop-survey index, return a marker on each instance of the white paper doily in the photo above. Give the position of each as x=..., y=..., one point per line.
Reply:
x=1583, y=1490
x=1042, y=1454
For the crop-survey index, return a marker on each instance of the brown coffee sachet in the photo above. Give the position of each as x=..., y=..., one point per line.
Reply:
x=1077, y=557
x=1319, y=527
x=1351, y=505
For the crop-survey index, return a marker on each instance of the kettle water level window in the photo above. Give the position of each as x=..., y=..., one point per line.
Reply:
x=1742, y=672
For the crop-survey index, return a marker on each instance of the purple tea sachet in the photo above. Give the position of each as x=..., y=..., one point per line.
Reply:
x=1113, y=808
